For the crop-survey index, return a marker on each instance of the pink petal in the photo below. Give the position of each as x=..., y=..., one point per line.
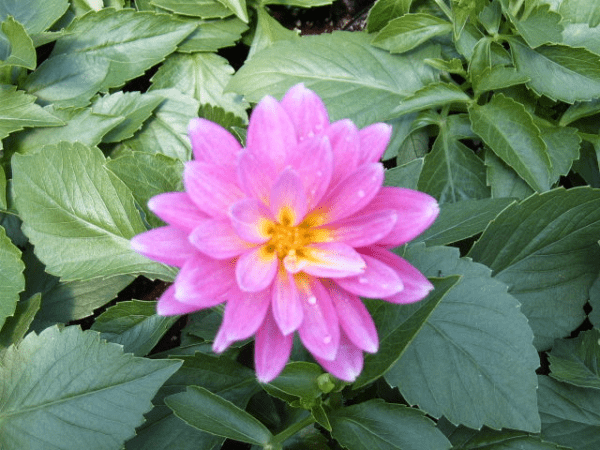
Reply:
x=320, y=330
x=251, y=220
x=352, y=194
x=378, y=280
x=288, y=200
x=244, y=313
x=354, y=319
x=373, y=141
x=256, y=269
x=271, y=350
x=213, y=188
x=256, y=174
x=271, y=132
x=416, y=212
x=348, y=362
x=168, y=245
x=327, y=259
x=177, y=209
x=218, y=239
x=286, y=304
x=168, y=305
x=306, y=110
x=345, y=146
x=212, y=143
x=203, y=281
x=361, y=229
x=416, y=285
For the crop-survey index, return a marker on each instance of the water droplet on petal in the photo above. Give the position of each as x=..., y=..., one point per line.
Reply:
x=363, y=280
x=311, y=134
x=318, y=126
x=326, y=339
x=361, y=193
x=319, y=173
x=312, y=300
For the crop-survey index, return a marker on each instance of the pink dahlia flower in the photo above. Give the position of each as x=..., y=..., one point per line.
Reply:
x=289, y=232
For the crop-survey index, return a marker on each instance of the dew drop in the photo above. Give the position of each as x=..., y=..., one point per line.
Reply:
x=311, y=134
x=326, y=339
x=319, y=173
x=363, y=280
x=312, y=300
x=319, y=127
x=361, y=193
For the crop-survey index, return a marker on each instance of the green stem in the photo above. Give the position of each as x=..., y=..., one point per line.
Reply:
x=444, y=8
x=293, y=429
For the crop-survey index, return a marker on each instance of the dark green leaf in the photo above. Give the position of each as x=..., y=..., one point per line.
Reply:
x=579, y=110
x=299, y=3
x=406, y=175
x=433, y=95
x=503, y=180
x=497, y=77
x=563, y=148
x=12, y=281
x=577, y=361
x=298, y=379
x=211, y=35
x=238, y=7
x=541, y=26
x=17, y=325
x=385, y=10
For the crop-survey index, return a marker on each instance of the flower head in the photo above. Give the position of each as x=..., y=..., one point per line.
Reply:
x=289, y=232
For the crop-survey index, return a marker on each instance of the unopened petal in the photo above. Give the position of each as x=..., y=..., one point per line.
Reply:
x=177, y=209
x=251, y=220
x=256, y=269
x=377, y=281
x=327, y=259
x=212, y=143
x=286, y=304
x=168, y=305
x=306, y=111
x=218, y=239
x=345, y=146
x=374, y=139
x=348, y=362
x=288, y=199
x=361, y=229
x=204, y=281
x=271, y=350
x=168, y=245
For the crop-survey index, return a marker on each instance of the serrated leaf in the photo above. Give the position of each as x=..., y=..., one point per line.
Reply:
x=16, y=326
x=12, y=281
x=576, y=361
x=385, y=10
x=63, y=390
x=491, y=16
x=375, y=424
x=504, y=181
x=268, y=31
x=563, y=148
x=206, y=9
x=431, y=96
x=337, y=66
x=582, y=35
x=486, y=439
x=16, y=47
x=541, y=26
x=508, y=129
x=545, y=249
x=82, y=231
x=406, y=175
x=578, y=111
x=580, y=11
x=211, y=35
x=35, y=15
x=497, y=77
x=410, y=30
x=238, y=7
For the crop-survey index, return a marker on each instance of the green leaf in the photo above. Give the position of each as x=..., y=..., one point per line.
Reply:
x=299, y=380
x=575, y=71
x=268, y=31
x=206, y=411
x=35, y=15
x=3, y=202
x=497, y=77
x=385, y=10
x=563, y=148
x=16, y=47
x=582, y=35
x=375, y=424
x=299, y=3
x=397, y=330
x=238, y=7
x=541, y=26
x=581, y=11
x=503, y=180
x=202, y=76
x=406, y=175
x=206, y=9
x=354, y=79
x=12, y=281
x=79, y=215
x=451, y=367
x=576, y=361
x=570, y=415
x=211, y=35
x=410, y=30
x=462, y=220
x=545, y=248
x=486, y=439
x=491, y=16
x=431, y=96
x=508, y=129
x=579, y=110
x=18, y=324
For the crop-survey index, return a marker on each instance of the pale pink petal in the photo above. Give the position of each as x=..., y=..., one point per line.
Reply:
x=348, y=362
x=218, y=239
x=212, y=143
x=168, y=305
x=251, y=220
x=352, y=194
x=373, y=141
x=320, y=330
x=168, y=245
x=327, y=259
x=177, y=209
x=286, y=304
x=271, y=132
x=288, y=200
x=361, y=229
x=244, y=313
x=416, y=285
x=271, y=350
x=256, y=269
x=345, y=146
x=378, y=280
x=306, y=110
x=416, y=212
x=204, y=281
x=256, y=175
x=213, y=188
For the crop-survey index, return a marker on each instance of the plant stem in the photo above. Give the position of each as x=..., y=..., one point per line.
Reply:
x=293, y=429
x=445, y=9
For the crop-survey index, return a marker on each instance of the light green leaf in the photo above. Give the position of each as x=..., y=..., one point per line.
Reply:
x=503, y=180
x=563, y=148
x=354, y=79
x=431, y=96
x=202, y=76
x=211, y=35
x=385, y=10
x=491, y=16
x=12, y=281
x=580, y=11
x=16, y=326
x=582, y=35
x=454, y=65
x=410, y=30
x=206, y=411
x=238, y=7
x=16, y=47
x=578, y=111
x=575, y=71
x=375, y=424
x=299, y=3
x=3, y=202
x=206, y=9
x=451, y=367
x=35, y=15
x=78, y=215
x=545, y=248
x=577, y=361
x=64, y=388
x=268, y=31
x=541, y=26
x=497, y=77
x=508, y=129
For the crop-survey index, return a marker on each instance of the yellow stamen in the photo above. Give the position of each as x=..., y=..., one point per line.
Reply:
x=287, y=239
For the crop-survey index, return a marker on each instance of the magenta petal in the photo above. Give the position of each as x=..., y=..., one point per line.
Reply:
x=361, y=229
x=306, y=110
x=348, y=362
x=378, y=280
x=286, y=304
x=168, y=305
x=251, y=220
x=168, y=245
x=327, y=259
x=271, y=350
x=354, y=319
x=320, y=330
x=288, y=200
x=345, y=146
x=212, y=143
x=218, y=239
x=203, y=281
x=373, y=141
x=213, y=188
x=177, y=209
x=416, y=285
x=256, y=175
x=256, y=269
